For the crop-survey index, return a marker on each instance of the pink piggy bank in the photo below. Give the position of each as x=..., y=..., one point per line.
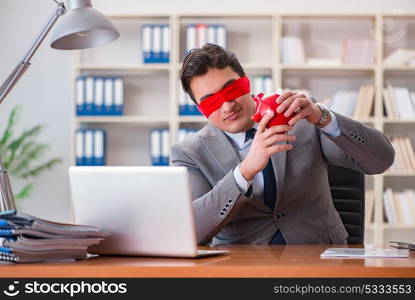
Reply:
x=266, y=104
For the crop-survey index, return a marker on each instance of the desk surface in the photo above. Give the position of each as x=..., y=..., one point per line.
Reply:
x=243, y=261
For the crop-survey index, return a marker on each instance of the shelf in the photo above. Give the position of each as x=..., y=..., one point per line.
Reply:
x=398, y=227
x=123, y=119
x=399, y=174
x=137, y=67
x=192, y=119
x=329, y=68
x=399, y=68
x=246, y=66
x=369, y=226
x=366, y=120
x=331, y=16
x=398, y=121
x=136, y=16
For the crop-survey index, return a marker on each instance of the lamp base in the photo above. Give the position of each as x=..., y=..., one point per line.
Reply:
x=6, y=193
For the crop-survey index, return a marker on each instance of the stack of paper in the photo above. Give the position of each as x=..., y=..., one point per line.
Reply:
x=404, y=154
x=368, y=252
x=24, y=238
x=399, y=102
x=292, y=50
x=399, y=207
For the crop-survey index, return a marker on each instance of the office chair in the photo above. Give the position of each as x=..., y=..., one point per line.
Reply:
x=348, y=192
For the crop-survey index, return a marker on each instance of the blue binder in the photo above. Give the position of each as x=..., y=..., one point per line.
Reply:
x=146, y=40
x=99, y=93
x=90, y=147
x=165, y=44
x=99, y=146
x=89, y=96
x=155, y=147
x=80, y=95
x=118, y=84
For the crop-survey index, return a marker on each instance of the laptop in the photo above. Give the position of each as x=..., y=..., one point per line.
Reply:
x=147, y=210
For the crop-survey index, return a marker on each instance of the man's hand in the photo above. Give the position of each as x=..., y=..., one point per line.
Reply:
x=263, y=146
x=301, y=105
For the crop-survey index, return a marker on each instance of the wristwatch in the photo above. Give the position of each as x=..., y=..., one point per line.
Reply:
x=324, y=117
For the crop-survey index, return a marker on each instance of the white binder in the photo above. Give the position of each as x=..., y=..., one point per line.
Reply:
x=190, y=38
x=99, y=96
x=156, y=49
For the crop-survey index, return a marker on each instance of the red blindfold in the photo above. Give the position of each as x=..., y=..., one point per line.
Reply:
x=231, y=92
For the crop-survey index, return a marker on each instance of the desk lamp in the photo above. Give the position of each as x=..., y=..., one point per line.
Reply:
x=83, y=27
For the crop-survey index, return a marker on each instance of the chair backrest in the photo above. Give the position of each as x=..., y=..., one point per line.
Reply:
x=348, y=192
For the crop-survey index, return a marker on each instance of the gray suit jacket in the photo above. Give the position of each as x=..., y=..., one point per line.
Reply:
x=304, y=210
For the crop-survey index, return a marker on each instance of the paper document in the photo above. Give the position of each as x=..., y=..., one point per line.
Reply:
x=365, y=253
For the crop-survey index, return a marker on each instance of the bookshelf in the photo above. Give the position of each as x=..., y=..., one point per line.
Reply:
x=152, y=91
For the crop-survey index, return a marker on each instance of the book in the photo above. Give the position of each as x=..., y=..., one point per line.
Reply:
x=358, y=51
x=184, y=133
x=402, y=98
x=389, y=207
x=90, y=147
x=399, y=156
x=406, y=214
x=368, y=100
x=410, y=151
x=397, y=203
x=99, y=96
x=197, y=35
x=25, y=238
x=399, y=57
x=369, y=205
x=292, y=50
x=367, y=252
x=344, y=102
x=389, y=105
x=410, y=198
x=360, y=102
x=155, y=41
x=404, y=153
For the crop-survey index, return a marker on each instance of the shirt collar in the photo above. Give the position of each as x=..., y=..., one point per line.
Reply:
x=238, y=138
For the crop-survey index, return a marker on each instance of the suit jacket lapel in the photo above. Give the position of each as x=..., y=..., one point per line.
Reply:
x=278, y=161
x=221, y=149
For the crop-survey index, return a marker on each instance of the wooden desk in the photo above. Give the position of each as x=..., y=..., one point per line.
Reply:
x=243, y=261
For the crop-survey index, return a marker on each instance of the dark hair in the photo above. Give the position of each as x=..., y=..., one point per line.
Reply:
x=199, y=60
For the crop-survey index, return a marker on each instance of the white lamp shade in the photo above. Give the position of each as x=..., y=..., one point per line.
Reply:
x=83, y=28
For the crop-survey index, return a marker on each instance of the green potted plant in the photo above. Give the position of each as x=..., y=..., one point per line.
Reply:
x=21, y=155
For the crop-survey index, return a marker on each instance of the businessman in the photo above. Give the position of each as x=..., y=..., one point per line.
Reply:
x=256, y=185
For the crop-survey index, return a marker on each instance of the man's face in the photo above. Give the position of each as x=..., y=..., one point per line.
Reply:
x=233, y=116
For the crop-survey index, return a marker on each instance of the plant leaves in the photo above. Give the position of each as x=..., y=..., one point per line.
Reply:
x=39, y=169
x=24, y=192
x=8, y=132
x=16, y=143
x=28, y=155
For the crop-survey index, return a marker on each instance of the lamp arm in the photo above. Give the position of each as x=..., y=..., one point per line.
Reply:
x=24, y=63
x=6, y=193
